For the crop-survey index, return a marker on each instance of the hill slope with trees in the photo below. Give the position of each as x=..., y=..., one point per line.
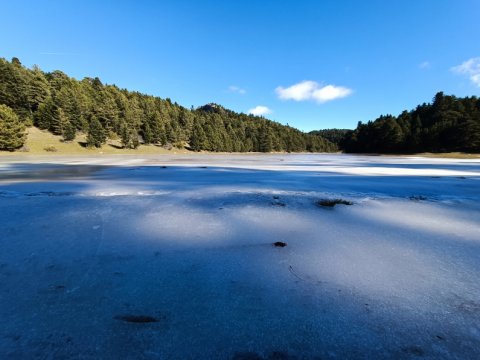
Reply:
x=64, y=106
x=448, y=124
x=335, y=136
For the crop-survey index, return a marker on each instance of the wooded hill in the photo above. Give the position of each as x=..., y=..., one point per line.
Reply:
x=448, y=124
x=335, y=136
x=65, y=106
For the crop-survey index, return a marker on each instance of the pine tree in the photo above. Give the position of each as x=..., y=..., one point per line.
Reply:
x=470, y=134
x=198, y=138
x=265, y=144
x=45, y=113
x=170, y=132
x=69, y=132
x=58, y=122
x=163, y=135
x=38, y=89
x=147, y=134
x=13, y=87
x=96, y=136
x=12, y=130
x=129, y=137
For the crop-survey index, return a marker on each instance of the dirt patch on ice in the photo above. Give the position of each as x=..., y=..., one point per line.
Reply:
x=330, y=203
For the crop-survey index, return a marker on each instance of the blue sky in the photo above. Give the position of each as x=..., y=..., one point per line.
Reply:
x=312, y=64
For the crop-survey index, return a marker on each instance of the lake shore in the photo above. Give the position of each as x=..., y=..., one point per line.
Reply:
x=43, y=143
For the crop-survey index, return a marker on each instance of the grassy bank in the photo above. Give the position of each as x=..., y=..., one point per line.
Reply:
x=42, y=142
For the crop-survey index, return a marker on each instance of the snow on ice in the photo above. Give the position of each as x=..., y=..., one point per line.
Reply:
x=172, y=257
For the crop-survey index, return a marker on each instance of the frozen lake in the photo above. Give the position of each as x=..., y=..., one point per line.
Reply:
x=171, y=257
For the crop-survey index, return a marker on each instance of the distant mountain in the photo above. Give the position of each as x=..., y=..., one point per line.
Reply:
x=65, y=106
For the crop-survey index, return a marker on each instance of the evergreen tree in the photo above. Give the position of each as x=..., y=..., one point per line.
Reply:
x=171, y=134
x=96, y=136
x=45, y=113
x=129, y=137
x=59, y=121
x=265, y=144
x=198, y=138
x=38, y=89
x=13, y=87
x=12, y=130
x=69, y=132
x=147, y=134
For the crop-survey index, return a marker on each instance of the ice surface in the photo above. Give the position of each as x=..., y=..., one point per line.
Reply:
x=187, y=241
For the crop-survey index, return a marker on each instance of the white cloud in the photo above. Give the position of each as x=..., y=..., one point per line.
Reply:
x=298, y=92
x=237, y=90
x=330, y=92
x=311, y=90
x=471, y=68
x=260, y=110
x=424, y=65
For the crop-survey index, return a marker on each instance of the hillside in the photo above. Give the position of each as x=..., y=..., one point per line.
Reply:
x=335, y=136
x=448, y=124
x=66, y=107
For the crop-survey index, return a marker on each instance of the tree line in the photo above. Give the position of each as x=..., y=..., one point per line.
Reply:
x=65, y=106
x=447, y=124
x=335, y=136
